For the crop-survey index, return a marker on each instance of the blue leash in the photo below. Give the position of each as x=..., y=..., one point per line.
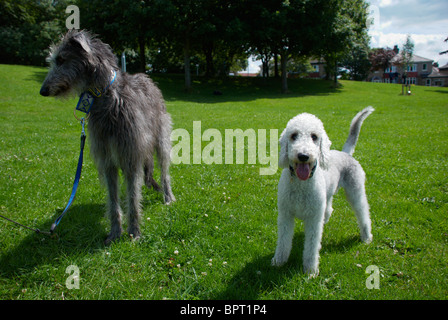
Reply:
x=77, y=177
x=84, y=105
x=72, y=196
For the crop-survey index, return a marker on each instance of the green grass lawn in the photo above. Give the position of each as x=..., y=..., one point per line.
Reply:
x=217, y=240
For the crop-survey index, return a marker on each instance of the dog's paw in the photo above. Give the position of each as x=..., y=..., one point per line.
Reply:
x=112, y=237
x=367, y=238
x=313, y=275
x=169, y=199
x=311, y=267
x=134, y=233
x=276, y=263
x=134, y=237
x=311, y=272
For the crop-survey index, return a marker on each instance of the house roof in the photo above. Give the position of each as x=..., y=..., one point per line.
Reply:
x=415, y=59
x=439, y=73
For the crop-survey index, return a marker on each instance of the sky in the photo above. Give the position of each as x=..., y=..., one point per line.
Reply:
x=425, y=21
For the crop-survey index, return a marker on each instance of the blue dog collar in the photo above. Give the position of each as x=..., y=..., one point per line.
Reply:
x=86, y=99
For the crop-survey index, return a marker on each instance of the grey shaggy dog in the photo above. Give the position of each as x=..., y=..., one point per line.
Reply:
x=127, y=124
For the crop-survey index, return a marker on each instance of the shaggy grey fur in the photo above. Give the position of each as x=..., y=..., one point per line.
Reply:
x=126, y=124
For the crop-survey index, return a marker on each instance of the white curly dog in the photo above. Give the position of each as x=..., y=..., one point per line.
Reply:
x=311, y=176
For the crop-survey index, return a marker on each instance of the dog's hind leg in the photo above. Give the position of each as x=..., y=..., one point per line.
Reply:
x=113, y=204
x=356, y=196
x=164, y=154
x=149, y=171
x=328, y=209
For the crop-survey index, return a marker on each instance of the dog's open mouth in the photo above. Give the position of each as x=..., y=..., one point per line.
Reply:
x=303, y=171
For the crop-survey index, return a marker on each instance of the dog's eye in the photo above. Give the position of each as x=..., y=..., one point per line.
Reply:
x=314, y=137
x=294, y=136
x=59, y=61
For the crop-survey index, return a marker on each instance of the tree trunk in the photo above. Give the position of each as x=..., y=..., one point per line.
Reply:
x=141, y=44
x=283, y=62
x=265, y=66
x=275, y=65
x=187, y=64
x=335, y=74
x=209, y=66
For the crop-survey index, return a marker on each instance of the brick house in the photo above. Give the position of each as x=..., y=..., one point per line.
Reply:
x=438, y=77
x=417, y=72
x=420, y=72
x=319, y=69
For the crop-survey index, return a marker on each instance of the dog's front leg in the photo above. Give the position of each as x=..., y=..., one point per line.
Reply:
x=285, y=225
x=113, y=204
x=134, y=181
x=313, y=237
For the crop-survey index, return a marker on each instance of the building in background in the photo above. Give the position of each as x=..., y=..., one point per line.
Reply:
x=417, y=73
x=438, y=77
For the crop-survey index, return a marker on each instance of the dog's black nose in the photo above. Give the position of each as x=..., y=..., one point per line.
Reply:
x=303, y=157
x=44, y=91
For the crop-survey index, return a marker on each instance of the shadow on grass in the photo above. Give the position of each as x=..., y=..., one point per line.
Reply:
x=438, y=91
x=79, y=231
x=259, y=276
x=228, y=89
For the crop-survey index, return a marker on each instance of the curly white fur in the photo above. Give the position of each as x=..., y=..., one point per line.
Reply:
x=312, y=174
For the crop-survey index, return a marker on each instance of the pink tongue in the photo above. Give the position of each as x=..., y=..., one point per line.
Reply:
x=303, y=171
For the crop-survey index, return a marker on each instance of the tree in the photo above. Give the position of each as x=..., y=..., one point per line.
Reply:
x=357, y=62
x=346, y=34
x=380, y=58
x=222, y=37
x=324, y=28
x=145, y=21
x=204, y=26
x=261, y=29
x=298, y=66
x=27, y=28
x=407, y=53
x=298, y=22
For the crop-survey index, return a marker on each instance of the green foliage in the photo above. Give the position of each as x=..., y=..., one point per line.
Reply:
x=217, y=240
x=407, y=52
x=209, y=37
x=380, y=58
x=347, y=43
x=27, y=28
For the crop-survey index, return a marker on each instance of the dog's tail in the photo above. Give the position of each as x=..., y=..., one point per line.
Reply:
x=355, y=128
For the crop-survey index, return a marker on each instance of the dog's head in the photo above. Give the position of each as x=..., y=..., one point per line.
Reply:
x=77, y=62
x=303, y=145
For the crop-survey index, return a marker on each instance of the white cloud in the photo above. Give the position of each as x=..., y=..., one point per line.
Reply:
x=425, y=45
x=424, y=20
x=385, y=3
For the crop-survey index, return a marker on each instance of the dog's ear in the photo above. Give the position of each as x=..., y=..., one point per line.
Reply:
x=325, y=144
x=283, y=160
x=79, y=41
